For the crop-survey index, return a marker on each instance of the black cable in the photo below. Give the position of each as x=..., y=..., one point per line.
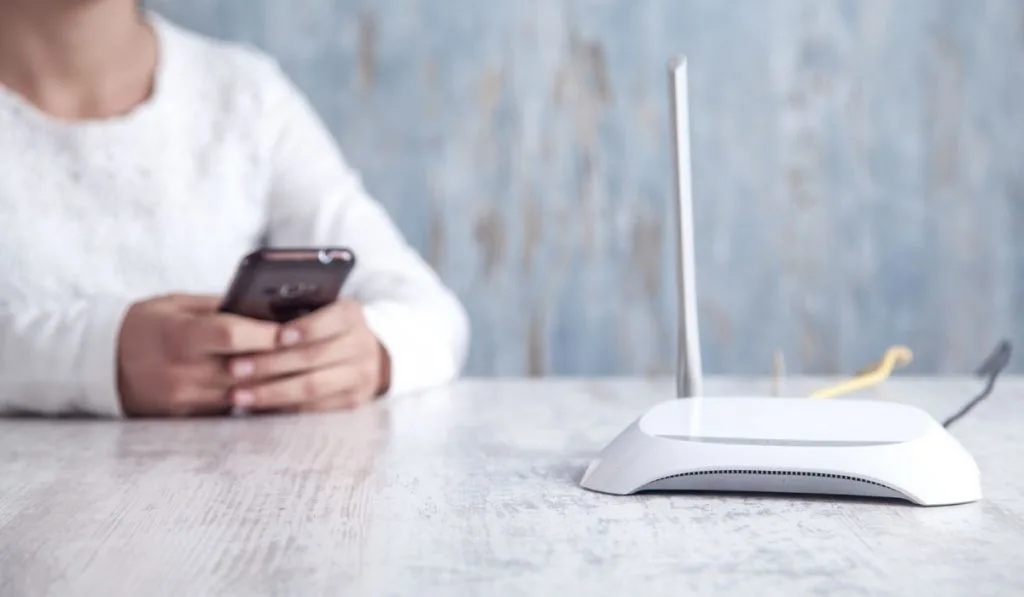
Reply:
x=992, y=367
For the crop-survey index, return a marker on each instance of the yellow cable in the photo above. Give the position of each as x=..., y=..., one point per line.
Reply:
x=896, y=356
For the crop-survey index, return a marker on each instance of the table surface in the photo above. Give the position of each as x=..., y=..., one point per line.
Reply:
x=472, y=489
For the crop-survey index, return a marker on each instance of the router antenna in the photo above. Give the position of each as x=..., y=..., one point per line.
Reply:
x=689, y=371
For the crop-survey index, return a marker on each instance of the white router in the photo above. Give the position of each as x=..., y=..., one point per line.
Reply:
x=772, y=445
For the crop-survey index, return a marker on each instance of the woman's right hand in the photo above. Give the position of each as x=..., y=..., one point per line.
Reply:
x=172, y=353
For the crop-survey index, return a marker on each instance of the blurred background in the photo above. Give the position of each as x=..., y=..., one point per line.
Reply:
x=858, y=168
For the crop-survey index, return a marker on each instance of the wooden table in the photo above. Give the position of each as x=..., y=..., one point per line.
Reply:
x=472, y=490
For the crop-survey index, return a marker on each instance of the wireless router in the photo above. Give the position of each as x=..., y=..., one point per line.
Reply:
x=766, y=444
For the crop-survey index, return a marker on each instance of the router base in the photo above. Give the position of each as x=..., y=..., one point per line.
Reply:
x=791, y=446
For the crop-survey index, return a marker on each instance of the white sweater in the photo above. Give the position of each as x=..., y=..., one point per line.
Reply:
x=225, y=156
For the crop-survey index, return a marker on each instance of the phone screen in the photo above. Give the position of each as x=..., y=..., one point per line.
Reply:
x=284, y=284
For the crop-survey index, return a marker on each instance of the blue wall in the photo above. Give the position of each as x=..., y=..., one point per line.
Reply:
x=859, y=168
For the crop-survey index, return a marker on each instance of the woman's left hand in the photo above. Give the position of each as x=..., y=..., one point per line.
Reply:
x=327, y=360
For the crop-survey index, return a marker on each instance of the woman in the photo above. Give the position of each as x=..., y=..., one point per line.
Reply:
x=139, y=163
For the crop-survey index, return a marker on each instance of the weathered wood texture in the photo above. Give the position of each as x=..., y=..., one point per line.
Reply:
x=858, y=168
x=472, y=490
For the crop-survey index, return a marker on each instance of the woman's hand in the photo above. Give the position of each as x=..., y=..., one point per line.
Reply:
x=327, y=360
x=171, y=353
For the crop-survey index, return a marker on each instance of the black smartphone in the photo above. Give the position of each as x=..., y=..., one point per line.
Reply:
x=282, y=284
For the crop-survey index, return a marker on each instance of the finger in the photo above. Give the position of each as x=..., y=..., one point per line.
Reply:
x=298, y=389
x=199, y=401
x=336, y=403
x=210, y=373
x=225, y=334
x=336, y=319
x=196, y=304
x=346, y=401
x=211, y=408
x=298, y=359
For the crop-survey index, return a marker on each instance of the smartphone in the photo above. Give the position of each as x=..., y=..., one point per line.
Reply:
x=283, y=284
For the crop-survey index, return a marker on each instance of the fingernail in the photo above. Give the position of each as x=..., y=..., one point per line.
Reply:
x=242, y=368
x=244, y=398
x=290, y=336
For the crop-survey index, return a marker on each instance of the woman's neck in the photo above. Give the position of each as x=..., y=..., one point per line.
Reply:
x=76, y=60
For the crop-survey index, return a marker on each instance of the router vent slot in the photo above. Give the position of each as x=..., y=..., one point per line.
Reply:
x=774, y=473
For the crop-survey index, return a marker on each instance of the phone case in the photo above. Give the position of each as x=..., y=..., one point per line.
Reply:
x=283, y=284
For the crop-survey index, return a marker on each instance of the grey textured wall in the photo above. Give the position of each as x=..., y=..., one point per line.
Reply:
x=858, y=168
